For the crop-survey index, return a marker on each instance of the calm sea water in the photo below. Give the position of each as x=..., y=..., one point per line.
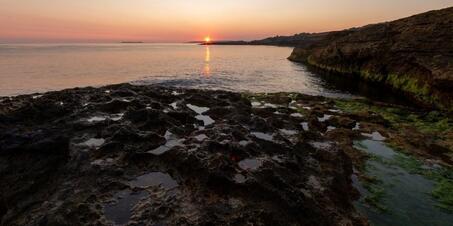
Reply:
x=30, y=68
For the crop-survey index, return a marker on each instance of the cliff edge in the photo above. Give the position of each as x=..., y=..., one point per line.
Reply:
x=413, y=55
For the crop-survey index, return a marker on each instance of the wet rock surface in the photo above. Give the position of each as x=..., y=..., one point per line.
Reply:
x=146, y=155
x=140, y=155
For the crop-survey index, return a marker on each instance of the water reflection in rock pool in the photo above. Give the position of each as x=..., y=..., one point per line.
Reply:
x=120, y=211
x=406, y=197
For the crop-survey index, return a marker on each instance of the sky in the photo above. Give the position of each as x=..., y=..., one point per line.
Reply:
x=187, y=20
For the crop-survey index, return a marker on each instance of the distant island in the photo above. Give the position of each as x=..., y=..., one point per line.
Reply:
x=131, y=42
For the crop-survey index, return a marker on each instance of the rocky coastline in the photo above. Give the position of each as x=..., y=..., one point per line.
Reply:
x=413, y=55
x=147, y=155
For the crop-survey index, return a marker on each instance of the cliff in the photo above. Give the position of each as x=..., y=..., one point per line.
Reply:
x=413, y=55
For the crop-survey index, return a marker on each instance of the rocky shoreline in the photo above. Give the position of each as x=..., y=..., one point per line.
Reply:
x=148, y=155
x=413, y=54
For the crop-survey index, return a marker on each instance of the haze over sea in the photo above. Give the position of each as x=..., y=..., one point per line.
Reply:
x=30, y=68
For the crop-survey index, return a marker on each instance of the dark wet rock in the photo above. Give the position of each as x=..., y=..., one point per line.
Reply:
x=159, y=165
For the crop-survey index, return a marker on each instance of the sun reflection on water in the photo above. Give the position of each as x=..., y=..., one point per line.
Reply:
x=207, y=60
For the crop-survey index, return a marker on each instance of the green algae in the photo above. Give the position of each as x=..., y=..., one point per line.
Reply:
x=400, y=188
x=432, y=122
x=412, y=85
x=375, y=196
x=408, y=84
x=442, y=176
x=444, y=193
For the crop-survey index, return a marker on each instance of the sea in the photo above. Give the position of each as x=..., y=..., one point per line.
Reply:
x=34, y=68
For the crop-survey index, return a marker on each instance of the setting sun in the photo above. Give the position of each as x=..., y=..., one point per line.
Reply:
x=207, y=39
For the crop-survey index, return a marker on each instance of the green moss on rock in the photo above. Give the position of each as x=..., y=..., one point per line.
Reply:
x=444, y=193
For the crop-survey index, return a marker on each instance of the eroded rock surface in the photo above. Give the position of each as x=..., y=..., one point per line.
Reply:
x=140, y=155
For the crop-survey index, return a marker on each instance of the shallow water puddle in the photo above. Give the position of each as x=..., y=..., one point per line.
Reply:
x=256, y=104
x=120, y=212
x=206, y=119
x=335, y=110
x=200, y=117
x=406, y=198
x=263, y=136
x=175, y=93
x=250, y=164
x=330, y=128
x=93, y=142
x=305, y=126
x=324, y=118
x=171, y=142
x=197, y=109
x=321, y=145
x=114, y=117
x=269, y=105
x=288, y=132
x=201, y=137
x=154, y=179
x=375, y=136
x=376, y=148
x=126, y=100
x=244, y=143
x=291, y=105
x=296, y=115
x=96, y=119
x=174, y=105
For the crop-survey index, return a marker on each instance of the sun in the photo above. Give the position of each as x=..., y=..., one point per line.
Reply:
x=207, y=39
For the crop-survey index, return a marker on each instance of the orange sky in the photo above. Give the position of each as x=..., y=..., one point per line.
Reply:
x=185, y=20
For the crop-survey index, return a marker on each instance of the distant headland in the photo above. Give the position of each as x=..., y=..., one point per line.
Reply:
x=131, y=42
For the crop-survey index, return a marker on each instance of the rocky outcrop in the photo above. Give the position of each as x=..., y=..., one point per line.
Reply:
x=413, y=55
x=147, y=155
x=141, y=155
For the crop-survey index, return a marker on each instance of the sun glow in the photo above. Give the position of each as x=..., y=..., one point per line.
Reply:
x=207, y=39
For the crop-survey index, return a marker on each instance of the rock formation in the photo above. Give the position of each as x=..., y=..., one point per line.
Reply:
x=413, y=55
